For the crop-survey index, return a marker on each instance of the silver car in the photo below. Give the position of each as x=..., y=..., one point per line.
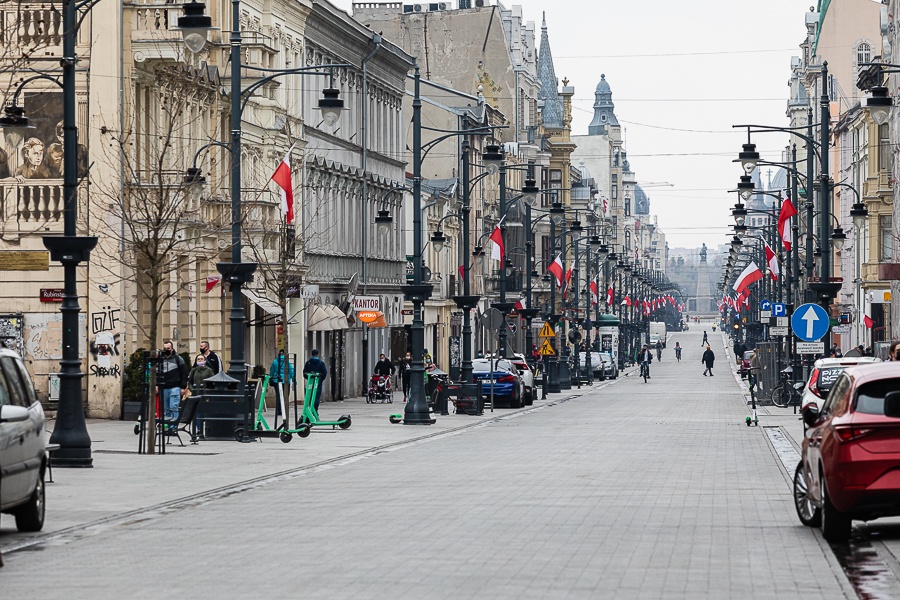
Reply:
x=23, y=458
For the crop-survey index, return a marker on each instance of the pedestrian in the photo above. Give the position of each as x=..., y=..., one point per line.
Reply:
x=171, y=379
x=383, y=367
x=705, y=339
x=316, y=365
x=212, y=359
x=199, y=372
x=894, y=352
x=276, y=379
x=708, y=359
x=405, y=374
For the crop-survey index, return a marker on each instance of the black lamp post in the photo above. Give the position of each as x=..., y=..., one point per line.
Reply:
x=194, y=25
x=70, y=250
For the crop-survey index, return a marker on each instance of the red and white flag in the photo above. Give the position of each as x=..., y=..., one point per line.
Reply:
x=556, y=267
x=626, y=301
x=867, y=320
x=750, y=275
x=212, y=281
x=497, y=251
x=784, y=223
x=610, y=296
x=520, y=303
x=595, y=292
x=772, y=259
x=566, y=288
x=282, y=176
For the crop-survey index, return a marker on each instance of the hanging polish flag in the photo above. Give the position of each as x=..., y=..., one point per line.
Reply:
x=566, y=287
x=497, y=251
x=610, y=296
x=749, y=275
x=595, y=293
x=784, y=223
x=282, y=176
x=462, y=272
x=520, y=303
x=868, y=321
x=556, y=267
x=772, y=260
x=212, y=281
x=626, y=301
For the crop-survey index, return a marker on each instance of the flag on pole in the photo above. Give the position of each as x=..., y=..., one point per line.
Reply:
x=784, y=223
x=626, y=301
x=595, y=292
x=282, y=176
x=566, y=288
x=556, y=267
x=772, y=260
x=212, y=281
x=750, y=274
x=497, y=251
x=610, y=296
x=868, y=321
x=520, y=303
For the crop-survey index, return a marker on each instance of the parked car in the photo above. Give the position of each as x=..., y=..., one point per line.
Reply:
x=507, y=384
x=745, y=363
x=23, y=458
x=610, y=368
x=527, y=376
x=825, y=372
x=850, y=458
x=596, y=365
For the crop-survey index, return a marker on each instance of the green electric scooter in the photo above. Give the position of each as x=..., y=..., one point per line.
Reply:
x=309, y=417
x=261, y=427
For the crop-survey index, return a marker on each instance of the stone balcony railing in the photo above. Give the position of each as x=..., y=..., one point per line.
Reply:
x=33, y=205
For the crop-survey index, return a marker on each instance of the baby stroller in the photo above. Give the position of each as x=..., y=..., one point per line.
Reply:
x=379, y=390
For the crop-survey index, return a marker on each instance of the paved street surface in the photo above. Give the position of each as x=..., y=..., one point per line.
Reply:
x=620, y=490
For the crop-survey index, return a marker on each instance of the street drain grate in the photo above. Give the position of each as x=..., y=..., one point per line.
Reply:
x=168, y=452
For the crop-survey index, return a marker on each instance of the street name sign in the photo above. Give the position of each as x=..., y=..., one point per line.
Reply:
x=841, y=329
x=546, y=332
x=547, y=349
x=779, y=310
x=810, y=348
x=810, y=322
x=778, y=330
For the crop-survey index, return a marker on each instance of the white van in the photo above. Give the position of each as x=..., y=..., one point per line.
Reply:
x=657, y=333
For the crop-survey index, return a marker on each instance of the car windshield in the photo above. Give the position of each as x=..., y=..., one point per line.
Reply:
x=605, y=356
x=870, y=398
x=483, y=366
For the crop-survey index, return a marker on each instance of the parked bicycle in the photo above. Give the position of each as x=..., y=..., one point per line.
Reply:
x=787, y=393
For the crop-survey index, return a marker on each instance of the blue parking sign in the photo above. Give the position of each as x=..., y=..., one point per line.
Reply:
x=779, y=310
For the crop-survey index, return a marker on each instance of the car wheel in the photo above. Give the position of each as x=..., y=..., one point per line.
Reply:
x=529, y=401
x=30, y=516
x=808, y=513
x=835, y=524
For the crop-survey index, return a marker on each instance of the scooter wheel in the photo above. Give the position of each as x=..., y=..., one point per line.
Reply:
x=137, y=429
x=345, y=422
x=395, y=419
x=239, y=434
x=285, y=437
x=304, y=431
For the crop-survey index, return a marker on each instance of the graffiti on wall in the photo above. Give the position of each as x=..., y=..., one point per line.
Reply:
x=43, y=335
x=104, y=343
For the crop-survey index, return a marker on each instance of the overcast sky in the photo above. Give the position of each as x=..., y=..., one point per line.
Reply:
x=682, y=73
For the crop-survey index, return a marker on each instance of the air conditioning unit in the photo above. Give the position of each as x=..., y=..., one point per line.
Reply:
x=411, y=8
x=480, y=3
x=436, y=6
x=417, y=8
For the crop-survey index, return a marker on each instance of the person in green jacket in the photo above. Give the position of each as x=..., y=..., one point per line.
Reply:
x=276, y=379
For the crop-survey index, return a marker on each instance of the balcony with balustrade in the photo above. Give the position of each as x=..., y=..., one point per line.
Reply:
x=33, y=207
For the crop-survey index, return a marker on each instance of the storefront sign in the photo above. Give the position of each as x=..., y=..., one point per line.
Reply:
x=368, y=303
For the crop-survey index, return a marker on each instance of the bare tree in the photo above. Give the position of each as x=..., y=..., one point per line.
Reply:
x=159, y=228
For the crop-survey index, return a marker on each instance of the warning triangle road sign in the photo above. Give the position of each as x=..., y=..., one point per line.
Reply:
x=546, y=331
x=547, y=349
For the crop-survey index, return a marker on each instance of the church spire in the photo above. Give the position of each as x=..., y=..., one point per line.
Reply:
x=549, y=92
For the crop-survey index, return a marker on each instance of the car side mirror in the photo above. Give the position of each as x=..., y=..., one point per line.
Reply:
x=810, y=414
x=892, y=405
x=13, y=414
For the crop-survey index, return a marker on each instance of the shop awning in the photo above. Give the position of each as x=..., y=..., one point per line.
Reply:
x=326, y=317
x=269, y=306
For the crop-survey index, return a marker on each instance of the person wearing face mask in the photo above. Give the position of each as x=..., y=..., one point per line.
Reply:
x=212, y=359
x=200, y=371
x=316, y=365
x=171, y=379
x=405, y=374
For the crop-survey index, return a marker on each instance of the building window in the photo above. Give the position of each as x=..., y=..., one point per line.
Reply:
x=863, y=53
x=555, y=175
x=887, y=238
x=885, y=151
x=615, y=191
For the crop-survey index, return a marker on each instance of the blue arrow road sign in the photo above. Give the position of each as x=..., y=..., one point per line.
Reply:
x=810, y=322
x=779, y=310
x=765, y=305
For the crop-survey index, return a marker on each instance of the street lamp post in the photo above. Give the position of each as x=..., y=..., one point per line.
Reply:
x=194, y=25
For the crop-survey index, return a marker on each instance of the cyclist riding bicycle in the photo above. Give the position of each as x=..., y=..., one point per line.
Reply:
x=659, y=350
x=678, y=350
x=645, y=357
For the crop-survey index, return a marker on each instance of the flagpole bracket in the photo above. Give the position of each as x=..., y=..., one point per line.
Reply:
x=236, y=273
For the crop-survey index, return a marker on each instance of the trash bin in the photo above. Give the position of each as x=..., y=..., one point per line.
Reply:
x=221, y=408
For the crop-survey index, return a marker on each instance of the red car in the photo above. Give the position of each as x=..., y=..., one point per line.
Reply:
x=850, y=464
